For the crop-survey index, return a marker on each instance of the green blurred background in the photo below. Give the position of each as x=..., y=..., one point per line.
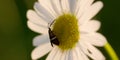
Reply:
x=16, y=38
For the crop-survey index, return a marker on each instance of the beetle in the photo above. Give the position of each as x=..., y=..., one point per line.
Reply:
x=52, y=36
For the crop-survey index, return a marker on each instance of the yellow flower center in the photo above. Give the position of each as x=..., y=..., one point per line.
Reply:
x=66, y=30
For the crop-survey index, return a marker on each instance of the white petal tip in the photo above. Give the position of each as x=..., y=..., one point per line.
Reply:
x=100, y=4
x=40, y=51
x=34, y=57
x=29, y=12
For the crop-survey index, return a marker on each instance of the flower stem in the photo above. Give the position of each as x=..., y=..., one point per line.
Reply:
x=111, y=52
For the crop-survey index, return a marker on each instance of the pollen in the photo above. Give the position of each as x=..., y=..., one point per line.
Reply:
x=66, y=30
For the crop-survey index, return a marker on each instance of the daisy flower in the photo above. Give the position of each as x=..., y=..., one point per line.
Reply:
x=72, y=24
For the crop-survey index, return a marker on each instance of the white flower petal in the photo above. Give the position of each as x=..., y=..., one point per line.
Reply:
x=48, y=6
x=40, y=51
x=41, y=39
x=56, y=6
x=76, y=54
x=33, y=17
x=91, y=51
x=94, y=53
x=52, y=53
x=81, y=48
x=65, y=6
x=70, y=57
x=90, y=26
x=63, y=57
x=37, y=28
x=78, y=5
x=95, y=39
x=43, y=13
x=58, y=55
x=72, y=5
x=90, y=12
x=82, y=6
x=67, y=55
x=84, y=56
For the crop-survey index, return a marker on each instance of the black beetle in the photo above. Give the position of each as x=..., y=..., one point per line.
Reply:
x=52, y=36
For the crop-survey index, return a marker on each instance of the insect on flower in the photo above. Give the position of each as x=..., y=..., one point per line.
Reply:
x=52, y=36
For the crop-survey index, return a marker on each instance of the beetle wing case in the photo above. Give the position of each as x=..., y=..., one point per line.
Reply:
x=53, y=38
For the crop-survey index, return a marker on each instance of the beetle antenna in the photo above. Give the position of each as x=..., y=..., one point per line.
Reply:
x=49, y=24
